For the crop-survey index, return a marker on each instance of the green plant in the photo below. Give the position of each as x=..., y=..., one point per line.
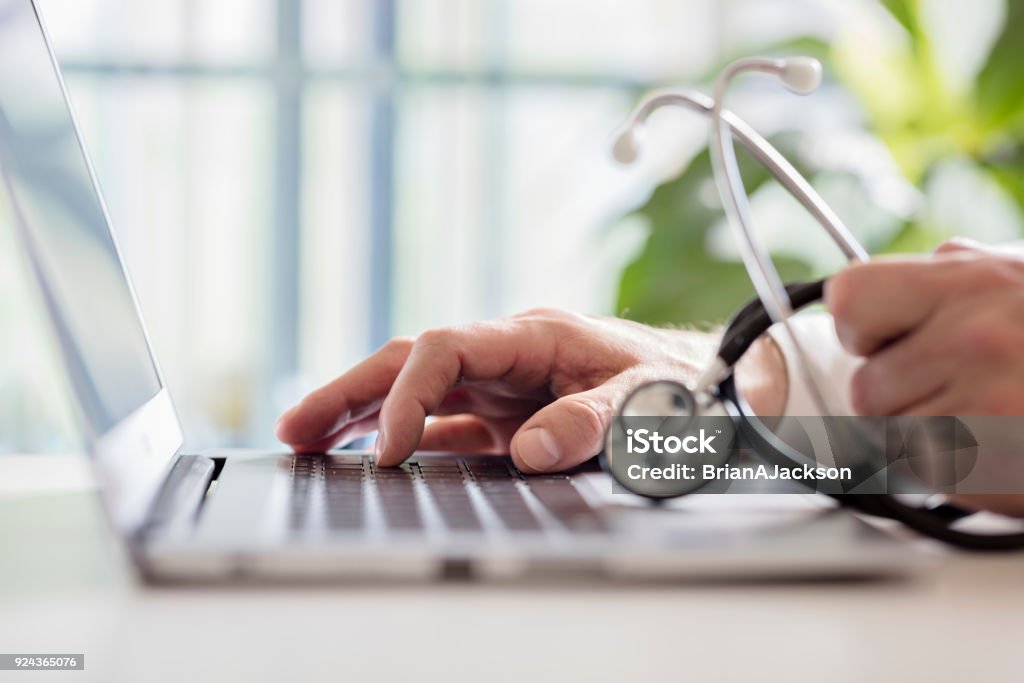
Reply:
x=675, y=279
x=908, y=103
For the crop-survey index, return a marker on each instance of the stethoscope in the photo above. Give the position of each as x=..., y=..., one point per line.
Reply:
x=714, y=395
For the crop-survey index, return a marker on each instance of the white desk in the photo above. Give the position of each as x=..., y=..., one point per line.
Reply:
x=65, y=587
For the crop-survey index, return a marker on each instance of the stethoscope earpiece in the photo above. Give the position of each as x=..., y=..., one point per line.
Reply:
x=802, y=75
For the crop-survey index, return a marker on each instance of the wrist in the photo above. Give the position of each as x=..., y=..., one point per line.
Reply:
x=761, y=374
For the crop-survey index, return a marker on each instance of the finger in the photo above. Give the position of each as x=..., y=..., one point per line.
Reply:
x=940, y=404
x=498, y=422
x=354, y=395
x=490, y=404
x=350, y=432
x=875, y=302
x=957, y=397
x=569, y=431
x=467, y=434
x=976, y=389
x=462, y=433
x=501, y=349
x=955, y=245
x=906, y=372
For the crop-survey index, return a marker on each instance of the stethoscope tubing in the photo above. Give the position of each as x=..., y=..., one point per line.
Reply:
x=750, y=323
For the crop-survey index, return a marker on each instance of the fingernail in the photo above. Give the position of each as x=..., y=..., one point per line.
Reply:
x=378, y=446
x=538, y=449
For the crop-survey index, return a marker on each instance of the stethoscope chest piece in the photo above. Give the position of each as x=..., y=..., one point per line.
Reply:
x=664, y=439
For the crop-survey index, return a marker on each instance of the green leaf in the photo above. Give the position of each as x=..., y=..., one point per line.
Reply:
x=908, y=14
x=914, y=238
x=905, y=12
x=1011, y=177
x=675, y=280
x=1000, y=83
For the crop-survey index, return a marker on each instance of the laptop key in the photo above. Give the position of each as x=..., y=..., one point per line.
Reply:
x=447, y=488
x=561, y=498
x=499, y=487
x=398, y=498
x=343, y=495
x=304, y=472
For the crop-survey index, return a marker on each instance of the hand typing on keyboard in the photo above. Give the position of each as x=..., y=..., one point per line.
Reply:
x=541, y=386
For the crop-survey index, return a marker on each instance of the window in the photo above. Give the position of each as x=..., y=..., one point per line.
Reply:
x=295, y=181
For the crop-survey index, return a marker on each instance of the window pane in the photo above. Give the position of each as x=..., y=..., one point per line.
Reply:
x=561, y=245
x=506, y=200
x=187, y=171
x=337, y=34
x=447, y=34
x=645, y=39
x=224, y=31
x=753, y=24
x=334, y=317
x=442, y=250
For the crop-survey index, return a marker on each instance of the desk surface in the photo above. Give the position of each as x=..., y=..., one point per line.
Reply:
x=65, y=586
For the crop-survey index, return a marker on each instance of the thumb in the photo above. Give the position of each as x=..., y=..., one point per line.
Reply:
x=567, y=432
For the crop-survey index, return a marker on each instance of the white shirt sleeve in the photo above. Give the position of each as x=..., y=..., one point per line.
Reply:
x=830, y=365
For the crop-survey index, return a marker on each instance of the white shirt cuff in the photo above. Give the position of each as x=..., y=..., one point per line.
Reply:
x=830, y=365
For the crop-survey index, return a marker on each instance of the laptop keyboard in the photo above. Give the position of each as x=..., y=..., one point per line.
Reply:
x=349, y=493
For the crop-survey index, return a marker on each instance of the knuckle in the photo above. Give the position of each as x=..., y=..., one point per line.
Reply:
x=987, y=337
x=436, y=337
x=955, y=244
x=994, y=272
x=398, y=344
x=552, y=321
x=545, y=313
x=589, y=417
x=1010, y=271
x=476, y=329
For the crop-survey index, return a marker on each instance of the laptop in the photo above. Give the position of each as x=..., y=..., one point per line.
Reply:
x=229, y=515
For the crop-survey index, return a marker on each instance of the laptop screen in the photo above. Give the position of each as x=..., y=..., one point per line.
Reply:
x=49, y=201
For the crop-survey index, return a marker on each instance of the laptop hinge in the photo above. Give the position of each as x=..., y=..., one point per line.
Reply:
x=181, y=495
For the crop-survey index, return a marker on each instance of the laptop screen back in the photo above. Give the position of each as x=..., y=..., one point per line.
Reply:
x=48, y=198
x=50, y=202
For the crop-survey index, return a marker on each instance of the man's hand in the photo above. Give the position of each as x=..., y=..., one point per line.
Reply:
x=942, y=334
x=542, y=386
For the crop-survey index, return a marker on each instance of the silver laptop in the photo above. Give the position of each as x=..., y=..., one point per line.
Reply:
x=224, y=515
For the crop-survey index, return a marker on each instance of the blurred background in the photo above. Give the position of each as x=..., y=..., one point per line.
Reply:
x=295, y=181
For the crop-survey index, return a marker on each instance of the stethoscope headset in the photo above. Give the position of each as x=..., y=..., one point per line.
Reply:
x=715, y=392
